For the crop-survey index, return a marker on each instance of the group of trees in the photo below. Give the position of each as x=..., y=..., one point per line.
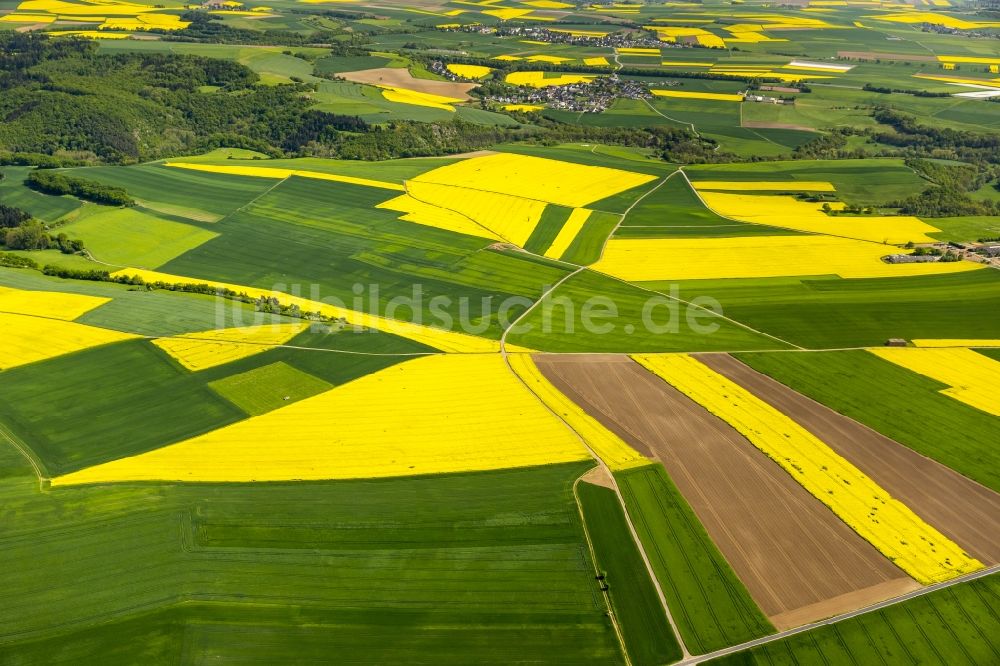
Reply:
x=56, y=183
x=19, y=231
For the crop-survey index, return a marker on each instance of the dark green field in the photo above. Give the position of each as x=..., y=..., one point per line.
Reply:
x=834, y=313
x=709, y=603
x=958, y=625
x=647, y=634
x=485, y=567
x=903, y=405
x=558, y=324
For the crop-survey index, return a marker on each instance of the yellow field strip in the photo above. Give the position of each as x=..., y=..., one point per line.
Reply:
x=438, y=338
x=432, y=415
x=791, y=213
x=207, y=349
x=913, y=545
x=952, y=342
x=279, y=174
x=615, y=453
x=52, y=304
x=974, y=378
x=429, y=215
x=26, y=339
x=681, y=94
x=648, y=259
x=571, y=228
x=417, y=98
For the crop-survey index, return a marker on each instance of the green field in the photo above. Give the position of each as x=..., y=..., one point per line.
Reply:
x=958, y=625
x=330, y=235
x=268, y=387
x=489, y=567
x=709, y=603
x=903, y=405
x=835, y=313
x=145, y=401
x=646, y=632
x=560, y=322
x=14, y=193
x=134, y=237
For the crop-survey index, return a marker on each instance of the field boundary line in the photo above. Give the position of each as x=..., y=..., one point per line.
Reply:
x=975, y=575
x=674, y=120
x=25, y=451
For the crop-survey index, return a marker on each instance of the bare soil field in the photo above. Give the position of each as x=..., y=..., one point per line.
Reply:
x=400, y=77
x=960, y=508
x=797, y=559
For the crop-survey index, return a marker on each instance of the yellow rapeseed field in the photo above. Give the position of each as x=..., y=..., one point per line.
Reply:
x=791, y=213
x=446, y=341
x=27, y=339
x=432, y=415
x=469, y=71
x=512, y=218
x=19, y=17
x=765, y=185
x=404, y=96
x=572, y=227
x=610, y=448
x=430, y=215
x=522, y=107
x=974, y=378
x=507, y=13
x=645, y=259
x=976, y=60
x=554, y=181
x=549, y=4
x=598, y=61
x=207, y=349
x=950, y=342
x=539, y=80
x=277, y=173
x=901, y=535
x=683, y=94
x=711, y=41
x=552, y=60
x=622, y=50
x=935, y=18
x=89, y=34
x=51, y=304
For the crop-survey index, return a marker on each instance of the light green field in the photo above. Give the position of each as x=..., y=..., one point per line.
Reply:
x=267, y=388
x=133, y=237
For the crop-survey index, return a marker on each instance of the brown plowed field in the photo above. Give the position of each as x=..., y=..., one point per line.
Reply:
x=799, y=561
x=400, y=77
x=963, y=510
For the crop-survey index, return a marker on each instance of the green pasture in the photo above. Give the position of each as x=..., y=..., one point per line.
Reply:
x=45, y=207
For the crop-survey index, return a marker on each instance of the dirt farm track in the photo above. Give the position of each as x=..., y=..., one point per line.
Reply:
x=797, y=559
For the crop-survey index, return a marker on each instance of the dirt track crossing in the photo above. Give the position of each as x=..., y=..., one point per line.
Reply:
x=799, y=562
x=960, y=508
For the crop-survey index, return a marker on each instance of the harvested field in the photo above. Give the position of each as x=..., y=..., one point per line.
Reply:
x=799, y=562
x=400, y=77
x=960, y=508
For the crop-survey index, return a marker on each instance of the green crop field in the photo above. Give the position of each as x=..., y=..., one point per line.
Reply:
x=714, y=609
x=834, y=313
x=958, y=625
x=648, y=636
x=383, y=570
x=268, y=387
x=573, y=319
x=901, y=404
